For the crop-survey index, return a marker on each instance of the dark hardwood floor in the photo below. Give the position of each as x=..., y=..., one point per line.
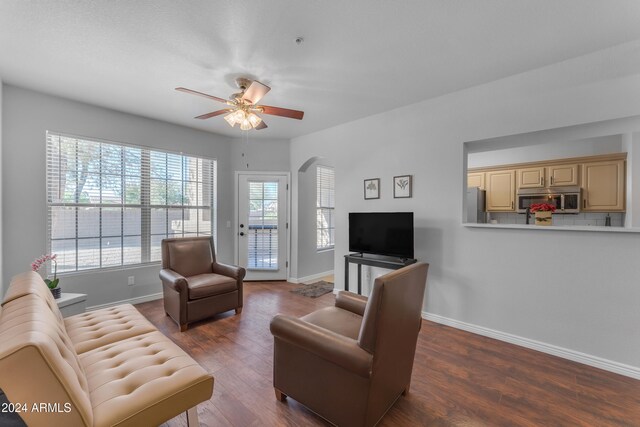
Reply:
x=459, y=379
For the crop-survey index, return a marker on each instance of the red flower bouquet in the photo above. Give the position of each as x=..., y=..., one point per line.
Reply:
x=542, y=207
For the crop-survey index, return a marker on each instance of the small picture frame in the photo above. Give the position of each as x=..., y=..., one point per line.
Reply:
x=372, y=188
x=402, y=186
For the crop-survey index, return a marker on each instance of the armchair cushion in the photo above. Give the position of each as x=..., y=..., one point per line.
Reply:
x=340, y=321
x=190, y=258
x=206, y=285
x=340, y=350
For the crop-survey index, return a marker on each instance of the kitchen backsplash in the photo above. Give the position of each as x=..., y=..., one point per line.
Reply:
x=595, y=219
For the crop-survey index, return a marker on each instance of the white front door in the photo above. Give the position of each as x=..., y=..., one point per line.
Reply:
x=262, y=225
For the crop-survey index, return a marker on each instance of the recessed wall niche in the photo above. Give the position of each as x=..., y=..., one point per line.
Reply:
x=505, y=160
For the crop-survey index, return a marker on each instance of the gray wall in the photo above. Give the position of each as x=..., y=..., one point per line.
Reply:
x=585, y=299
x=260, y=154
x=545, y=150
x=28, y=115
x=1, y=225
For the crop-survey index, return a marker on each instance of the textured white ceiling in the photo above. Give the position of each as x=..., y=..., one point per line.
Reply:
x=360, y=57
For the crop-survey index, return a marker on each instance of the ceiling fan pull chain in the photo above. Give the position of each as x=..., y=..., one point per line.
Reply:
x=246, y=148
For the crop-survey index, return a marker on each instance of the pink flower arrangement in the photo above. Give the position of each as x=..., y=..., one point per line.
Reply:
x=39, y=262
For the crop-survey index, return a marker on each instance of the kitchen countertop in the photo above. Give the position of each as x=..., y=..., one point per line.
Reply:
x=555, y=227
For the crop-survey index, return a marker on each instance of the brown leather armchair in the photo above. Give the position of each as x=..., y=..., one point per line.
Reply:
x=351, y=362
x=195, y=285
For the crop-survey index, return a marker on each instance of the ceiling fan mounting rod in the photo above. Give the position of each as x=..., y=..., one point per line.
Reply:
x=243, y=83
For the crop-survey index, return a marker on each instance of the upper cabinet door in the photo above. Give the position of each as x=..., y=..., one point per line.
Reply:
x=531, y=177
x=501, y=191
x=603, y=187
x=563, y=175
x=475, y=179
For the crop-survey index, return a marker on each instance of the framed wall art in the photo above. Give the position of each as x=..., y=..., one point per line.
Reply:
x=402, y=186
x=372, y=188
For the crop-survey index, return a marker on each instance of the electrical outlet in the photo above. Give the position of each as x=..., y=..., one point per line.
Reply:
x=132, y=280
x=228, y=224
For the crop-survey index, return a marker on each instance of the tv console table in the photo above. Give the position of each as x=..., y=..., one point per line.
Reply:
x=360, y=259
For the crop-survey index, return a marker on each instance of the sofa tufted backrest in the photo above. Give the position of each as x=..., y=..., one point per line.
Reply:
x=35, y=349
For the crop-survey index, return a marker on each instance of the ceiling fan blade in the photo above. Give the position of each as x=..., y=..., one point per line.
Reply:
x=195, y=92
x=262, y=125
x=212, y=114
x=255, y=92
x=283, y=112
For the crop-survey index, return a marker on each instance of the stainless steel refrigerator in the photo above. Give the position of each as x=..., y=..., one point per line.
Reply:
x=476, y=206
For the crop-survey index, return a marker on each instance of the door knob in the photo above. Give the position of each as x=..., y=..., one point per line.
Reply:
x=241, y=225
x=241, y=233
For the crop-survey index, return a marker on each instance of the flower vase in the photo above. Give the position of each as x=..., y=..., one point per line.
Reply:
x=544, y=218
x=56, y=292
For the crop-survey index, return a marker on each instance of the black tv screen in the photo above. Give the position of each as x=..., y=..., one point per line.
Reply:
x=381, y=233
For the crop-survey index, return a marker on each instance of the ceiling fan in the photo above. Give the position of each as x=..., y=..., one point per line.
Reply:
x=242, y=108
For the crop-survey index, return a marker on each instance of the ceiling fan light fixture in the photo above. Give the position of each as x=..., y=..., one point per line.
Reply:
x=231, y=119
x=242, y=108
x=254, y=119
x=245, y=125
x=239, y=115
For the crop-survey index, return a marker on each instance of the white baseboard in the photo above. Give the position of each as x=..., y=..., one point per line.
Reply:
x=565, y=353
x=136, y=300
x=309, y=278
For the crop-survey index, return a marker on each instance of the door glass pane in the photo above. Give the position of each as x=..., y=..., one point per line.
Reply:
x=262, y=233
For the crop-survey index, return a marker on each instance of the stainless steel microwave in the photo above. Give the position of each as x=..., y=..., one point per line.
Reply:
x=565, y=199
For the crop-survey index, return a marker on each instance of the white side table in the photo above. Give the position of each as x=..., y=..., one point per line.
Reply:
x=71, y=304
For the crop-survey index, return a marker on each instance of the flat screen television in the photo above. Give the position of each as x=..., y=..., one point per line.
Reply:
x=381, y=233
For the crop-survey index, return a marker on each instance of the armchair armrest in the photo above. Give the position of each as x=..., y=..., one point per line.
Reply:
x=326, y=344
x=228, y=270
x=176, y=281
x=351, y=302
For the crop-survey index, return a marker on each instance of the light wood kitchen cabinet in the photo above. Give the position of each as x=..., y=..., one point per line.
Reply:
x=530, y=177
x=603, y=187
x=475, y=179
x=501, y=190
x=549, y=176
x=563, y=175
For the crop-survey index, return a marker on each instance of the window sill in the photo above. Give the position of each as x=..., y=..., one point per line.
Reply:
x=554, y=227
x=331, y=249
x=109, y=269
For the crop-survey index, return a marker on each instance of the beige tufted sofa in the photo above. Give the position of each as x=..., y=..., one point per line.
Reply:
x=108, y=367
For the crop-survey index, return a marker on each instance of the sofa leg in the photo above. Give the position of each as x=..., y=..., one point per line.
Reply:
x=238, y=310
x=192, y=417
x=280, y=395
x=183, y=327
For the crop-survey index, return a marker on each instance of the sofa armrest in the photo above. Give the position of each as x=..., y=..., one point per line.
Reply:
x=326, y=344
x=175, y=281
x=228, y=270
x=351, y=302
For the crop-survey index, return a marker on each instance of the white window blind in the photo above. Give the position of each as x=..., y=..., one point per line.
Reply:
x=110, y=205
x=325, y=204
x=262, y=232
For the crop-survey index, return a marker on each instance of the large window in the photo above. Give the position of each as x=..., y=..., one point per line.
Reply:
x=325, y=204
x=110, y=205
